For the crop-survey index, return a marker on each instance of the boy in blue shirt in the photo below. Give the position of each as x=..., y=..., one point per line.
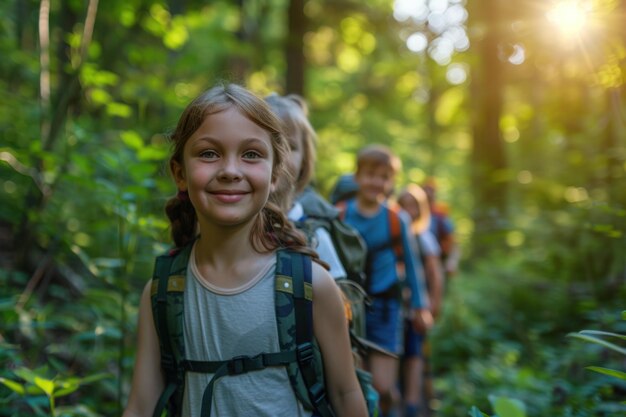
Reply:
x=369, y=213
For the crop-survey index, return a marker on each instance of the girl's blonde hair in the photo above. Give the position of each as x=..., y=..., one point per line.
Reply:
x=271, y=229
x=417, y=193
x=293, y=112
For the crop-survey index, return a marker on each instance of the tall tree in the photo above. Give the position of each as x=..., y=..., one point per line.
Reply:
x=488, y=155
x=294, y=48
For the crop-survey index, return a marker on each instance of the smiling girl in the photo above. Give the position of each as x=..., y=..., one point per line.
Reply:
x=228, y=152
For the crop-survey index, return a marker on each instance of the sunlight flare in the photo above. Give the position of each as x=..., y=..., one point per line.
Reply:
x=569, y=16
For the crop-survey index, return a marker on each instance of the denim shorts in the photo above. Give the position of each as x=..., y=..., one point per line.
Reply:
x=413, y=341
x=384, y=324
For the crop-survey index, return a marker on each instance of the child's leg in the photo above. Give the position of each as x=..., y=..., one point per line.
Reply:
x=413, y=368
x=427, y=378
x=413, y=401
x=384, y=327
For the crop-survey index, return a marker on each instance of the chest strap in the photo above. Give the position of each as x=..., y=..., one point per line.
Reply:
x=235, y=366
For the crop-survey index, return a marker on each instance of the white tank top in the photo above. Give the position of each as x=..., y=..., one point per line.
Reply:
x=220, y=324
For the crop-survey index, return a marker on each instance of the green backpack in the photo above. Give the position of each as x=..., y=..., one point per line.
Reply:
x=299, y=351
x=347, y=241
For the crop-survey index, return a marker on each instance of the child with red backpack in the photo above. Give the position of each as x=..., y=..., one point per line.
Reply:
x=208, y=340
x=442, y=227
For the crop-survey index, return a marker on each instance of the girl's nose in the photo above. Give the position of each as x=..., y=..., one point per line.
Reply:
x=230, y=170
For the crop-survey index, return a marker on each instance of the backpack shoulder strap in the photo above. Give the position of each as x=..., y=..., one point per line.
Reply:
x=342, y=206
x=395, y=227
x=168, y=284
x=294, y=316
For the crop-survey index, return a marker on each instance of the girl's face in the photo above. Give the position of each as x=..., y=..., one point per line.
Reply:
x=227, y=168
x=409, y=204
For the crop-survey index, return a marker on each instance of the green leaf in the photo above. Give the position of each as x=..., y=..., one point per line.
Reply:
x=152, y=154
x=132, y=139
x=96, y=377
x=119, y=109
x=507, y=407
x=598, y=341
x=26, y=374
x=47, y=385
x=607, y=371
x=12, y=385
x=475, y=412
x=33, y=390
x=65, y=388
x=602, y=333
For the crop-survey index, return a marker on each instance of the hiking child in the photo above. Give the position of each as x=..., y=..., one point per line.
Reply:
x=370, y=215
x=228, y=152
x=292, y=110
x=417, y=386
x=442, y=227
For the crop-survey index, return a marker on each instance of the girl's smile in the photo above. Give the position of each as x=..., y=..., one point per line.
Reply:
x=228, y=196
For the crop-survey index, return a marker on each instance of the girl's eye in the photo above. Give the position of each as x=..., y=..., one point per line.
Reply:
x=208, y=154
x=251, y=155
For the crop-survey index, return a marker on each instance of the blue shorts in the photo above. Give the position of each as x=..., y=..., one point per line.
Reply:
x=413, y=341
x=384, y=324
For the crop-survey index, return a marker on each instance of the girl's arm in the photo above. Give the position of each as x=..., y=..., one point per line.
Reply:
x=331, y=331
x=148, y=381
x=434, y=276
x=421, y=315
x=413, y=268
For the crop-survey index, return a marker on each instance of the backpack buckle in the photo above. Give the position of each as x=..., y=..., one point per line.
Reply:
x=237, y=365
x=304, y=352
x=318, y=393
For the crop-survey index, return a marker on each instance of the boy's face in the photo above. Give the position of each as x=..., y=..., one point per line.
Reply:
x=375, y=182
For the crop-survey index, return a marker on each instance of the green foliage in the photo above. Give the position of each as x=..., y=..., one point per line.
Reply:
x=519, y=353
x=83, y=183
x=598, y=337
x=32, y=384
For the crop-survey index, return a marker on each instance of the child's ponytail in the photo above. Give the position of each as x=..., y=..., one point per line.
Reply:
x=182, y=218
x=273, y=230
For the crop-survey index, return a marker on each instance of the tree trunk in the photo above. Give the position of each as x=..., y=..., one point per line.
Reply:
x=488, y=154
x=239, y=64
x=615, y=147
x=294, y=52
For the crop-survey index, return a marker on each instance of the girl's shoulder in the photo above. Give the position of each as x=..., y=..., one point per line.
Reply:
x=323, y=282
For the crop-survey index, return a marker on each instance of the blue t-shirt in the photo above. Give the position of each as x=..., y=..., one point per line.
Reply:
x=440, y=225
x=376, y=232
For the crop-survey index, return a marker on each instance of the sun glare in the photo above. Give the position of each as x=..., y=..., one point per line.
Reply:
x=569, y=16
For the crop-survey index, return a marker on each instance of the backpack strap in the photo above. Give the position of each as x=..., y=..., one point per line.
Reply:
x=294, y=316
x=395, y=226
x=342, y=207
x=235, y=366
x=168, y=284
